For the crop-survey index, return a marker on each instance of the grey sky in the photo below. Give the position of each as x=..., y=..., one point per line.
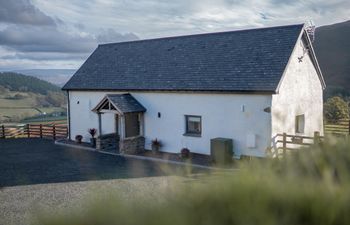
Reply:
x=61, y=34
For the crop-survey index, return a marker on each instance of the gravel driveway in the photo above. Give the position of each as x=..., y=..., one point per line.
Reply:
x=36, y=175
x=39, y=161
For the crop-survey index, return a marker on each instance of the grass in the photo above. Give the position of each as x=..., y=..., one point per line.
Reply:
x=49, y=120
x=22, y=108
x=310, y=186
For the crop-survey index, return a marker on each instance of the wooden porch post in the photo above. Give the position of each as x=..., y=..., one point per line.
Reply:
x=122, y=127
x=142, y=124
x=99, y=124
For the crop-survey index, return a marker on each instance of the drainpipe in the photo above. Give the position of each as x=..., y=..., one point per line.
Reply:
x=69, y=124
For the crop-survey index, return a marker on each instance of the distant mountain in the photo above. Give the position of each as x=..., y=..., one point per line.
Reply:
x=55, y=76
x=332, y=47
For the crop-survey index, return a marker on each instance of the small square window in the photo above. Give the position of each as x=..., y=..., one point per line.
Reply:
x=299, y=124
x=193, y=125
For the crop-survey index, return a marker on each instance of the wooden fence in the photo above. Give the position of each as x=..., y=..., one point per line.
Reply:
x=340, y=128
x=52, y=131
x=287, y=142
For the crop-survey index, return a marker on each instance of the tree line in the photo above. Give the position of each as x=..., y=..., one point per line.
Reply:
x=19, y=82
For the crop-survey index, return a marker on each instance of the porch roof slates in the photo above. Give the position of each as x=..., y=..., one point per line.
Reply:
x=124, y=103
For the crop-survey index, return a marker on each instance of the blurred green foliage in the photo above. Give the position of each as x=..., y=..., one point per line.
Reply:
x=310, y=186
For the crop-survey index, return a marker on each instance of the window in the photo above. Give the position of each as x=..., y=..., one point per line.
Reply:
x=300, y=124
x=193, y=125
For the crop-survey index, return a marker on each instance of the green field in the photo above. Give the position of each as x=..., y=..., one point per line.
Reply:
x=16, y=110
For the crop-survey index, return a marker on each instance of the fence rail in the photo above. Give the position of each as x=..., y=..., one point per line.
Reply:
x=340, y=128
x=54, y=131
x=287, y=142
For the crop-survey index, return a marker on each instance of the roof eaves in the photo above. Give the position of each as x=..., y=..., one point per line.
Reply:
x=315, y=61
x=178, y=90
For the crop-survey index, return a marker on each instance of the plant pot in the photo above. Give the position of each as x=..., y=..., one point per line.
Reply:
x=78, y=139
x=185, y=153
x=155, y=149
x=93, y=142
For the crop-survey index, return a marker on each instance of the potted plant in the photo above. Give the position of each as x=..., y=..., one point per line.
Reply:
x=156, y=144
x=185, y=153
x=92, y=132
x=78, y=138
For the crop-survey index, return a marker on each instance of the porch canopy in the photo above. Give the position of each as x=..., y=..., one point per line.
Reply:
x=129, y=114
x=121, y=103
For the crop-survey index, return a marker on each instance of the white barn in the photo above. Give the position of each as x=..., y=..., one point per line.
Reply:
x=246, y=85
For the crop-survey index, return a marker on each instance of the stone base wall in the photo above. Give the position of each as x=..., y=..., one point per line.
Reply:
x=108, y=142
x=133, y=145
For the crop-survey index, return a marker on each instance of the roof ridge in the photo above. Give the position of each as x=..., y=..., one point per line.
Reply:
x=204, y=34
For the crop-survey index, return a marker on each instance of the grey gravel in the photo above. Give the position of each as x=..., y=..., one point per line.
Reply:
x=21, y=204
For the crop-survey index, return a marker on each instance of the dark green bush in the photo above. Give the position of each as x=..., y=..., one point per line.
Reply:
x=336, y=109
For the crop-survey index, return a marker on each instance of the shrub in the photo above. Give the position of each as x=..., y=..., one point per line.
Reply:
x=92, y=132
x=336, y=109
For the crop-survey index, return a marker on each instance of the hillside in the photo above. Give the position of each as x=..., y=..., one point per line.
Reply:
x=20, y=82
x=23, y=97
x=332, y=47
x=55, y=76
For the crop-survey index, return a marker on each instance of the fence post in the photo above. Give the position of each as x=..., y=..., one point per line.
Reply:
x=28, y=130
x=284, y=144
x=3, y=131
x=54, y=131
x=316, y=137
x=41, y=131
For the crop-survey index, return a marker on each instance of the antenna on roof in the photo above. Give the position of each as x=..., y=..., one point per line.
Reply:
x=310, y=29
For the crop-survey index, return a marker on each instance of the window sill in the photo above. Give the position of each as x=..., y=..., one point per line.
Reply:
x=192, y=135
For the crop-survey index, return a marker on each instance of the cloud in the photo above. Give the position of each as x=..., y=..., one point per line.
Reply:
x=44, y=39
x=23, y=12
x=44, y=56
x=51, y=39
x=67, y=31
x=110, y=35
x=28, y=35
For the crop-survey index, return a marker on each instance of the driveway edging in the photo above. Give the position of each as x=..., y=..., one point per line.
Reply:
x=144, y=157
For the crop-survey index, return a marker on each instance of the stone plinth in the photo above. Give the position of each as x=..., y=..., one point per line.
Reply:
x=108, y=142
x=133, y=145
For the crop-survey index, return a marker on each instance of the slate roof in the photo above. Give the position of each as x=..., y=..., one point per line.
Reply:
x=235, y=61
x=125, y=103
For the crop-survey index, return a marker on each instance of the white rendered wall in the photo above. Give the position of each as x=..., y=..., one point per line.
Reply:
x=222, y=116
x=300, y=93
